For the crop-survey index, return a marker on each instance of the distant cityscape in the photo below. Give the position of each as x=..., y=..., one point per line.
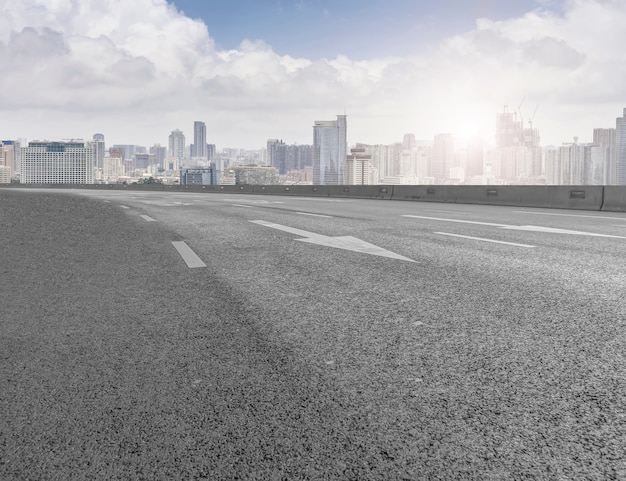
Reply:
x=516, y=159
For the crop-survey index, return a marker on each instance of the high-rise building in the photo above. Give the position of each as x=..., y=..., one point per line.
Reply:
x=10, y=154
x=358, y=167
x=57, y=163
x=509, y=130
x=329, y=151
x=176, y=146
x=199, y=147
x=160, y=153
x=605, y=138
x=98, y=150
x=442, y=159
x=620, y=150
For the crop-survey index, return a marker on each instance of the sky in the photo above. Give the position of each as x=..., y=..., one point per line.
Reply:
x=254, y=70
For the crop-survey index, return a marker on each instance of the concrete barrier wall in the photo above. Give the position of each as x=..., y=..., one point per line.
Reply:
x=361, y=191
x=424, y=193
x=614, y=198
x=529, y=196
x=606, y=198
x=576, y=197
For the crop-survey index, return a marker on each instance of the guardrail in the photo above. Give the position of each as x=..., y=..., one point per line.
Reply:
x=599, y=198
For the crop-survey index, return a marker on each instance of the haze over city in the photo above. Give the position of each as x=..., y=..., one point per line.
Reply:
x=255, y=70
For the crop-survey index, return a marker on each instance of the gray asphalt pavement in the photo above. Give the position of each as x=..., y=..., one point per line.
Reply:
x=498, y=353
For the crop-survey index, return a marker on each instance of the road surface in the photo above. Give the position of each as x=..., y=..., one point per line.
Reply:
x=156, y=335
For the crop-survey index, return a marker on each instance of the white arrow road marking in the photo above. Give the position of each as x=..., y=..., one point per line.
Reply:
x=529, y=228
x=343, y=242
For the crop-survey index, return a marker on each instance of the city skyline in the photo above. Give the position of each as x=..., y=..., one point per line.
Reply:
x=137, y=70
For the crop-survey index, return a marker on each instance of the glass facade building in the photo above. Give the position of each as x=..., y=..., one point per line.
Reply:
x=329, y=151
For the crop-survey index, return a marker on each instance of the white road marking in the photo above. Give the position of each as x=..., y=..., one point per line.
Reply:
x=124, y=206
x=189, y=256
x=570, y=215
x=454, y=220
x=315, y=215
x=107, y=201
x=528, y=228
x=147, y=218
x=343, y=242
x=242, y=205
x=484, y=240
x=552, y=230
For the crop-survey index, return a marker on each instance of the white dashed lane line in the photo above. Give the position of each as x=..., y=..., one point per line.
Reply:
x=147, y=218
x=315, y=215
x=189, y=256
x=124, y=206
x=482, y=239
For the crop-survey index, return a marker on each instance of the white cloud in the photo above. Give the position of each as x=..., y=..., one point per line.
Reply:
x=137, y=70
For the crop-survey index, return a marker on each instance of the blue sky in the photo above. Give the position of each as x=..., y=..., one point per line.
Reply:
x=260, y=69
x=359, y=29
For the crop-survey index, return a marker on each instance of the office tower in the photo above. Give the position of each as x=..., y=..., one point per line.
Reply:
x=9, y=153
x=57, y=163
x=605, y=138
x=358, y=167
x=620, y=150
x=176, y=146
x=329, y=151
x=199, y=147
x=98, y=150
x=442, y=158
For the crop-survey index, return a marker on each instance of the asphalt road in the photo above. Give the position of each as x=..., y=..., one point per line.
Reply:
x=314, y=339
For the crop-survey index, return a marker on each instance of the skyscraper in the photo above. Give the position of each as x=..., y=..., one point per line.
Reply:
x=199, y=148
x=176, y=146
x=329, y=151
x=358, y=167
x=442, y=157
x=620, y=150
x=57, y=163
x=98, y=150
x=606, y=139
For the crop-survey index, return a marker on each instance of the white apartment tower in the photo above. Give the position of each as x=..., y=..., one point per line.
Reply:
x=329, y=151
x=176, y=146
x=57, y=163
x=358, y=167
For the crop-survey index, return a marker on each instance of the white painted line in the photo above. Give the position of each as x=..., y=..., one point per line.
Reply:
x=343, y=242
x=189, y=256
x=124, y=206
x=552, y=230
x=570, y=215
x=147, y=218
x=484, y=240
x=242, y=205
x=528, y=228
x=454, y=220
x=315, y=215
x=107, y=201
